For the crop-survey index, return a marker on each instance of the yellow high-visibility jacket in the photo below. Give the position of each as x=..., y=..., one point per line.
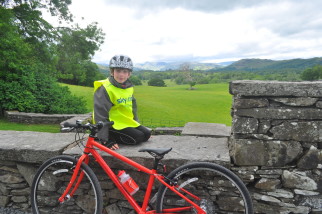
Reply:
x=114, y=102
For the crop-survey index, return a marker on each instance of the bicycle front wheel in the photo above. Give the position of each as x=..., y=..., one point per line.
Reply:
x=51, y=180
x=212, y=187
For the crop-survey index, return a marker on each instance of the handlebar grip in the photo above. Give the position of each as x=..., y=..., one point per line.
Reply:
x=109, y=123
x=67, y=124
x=102, y=124
x=99, y=125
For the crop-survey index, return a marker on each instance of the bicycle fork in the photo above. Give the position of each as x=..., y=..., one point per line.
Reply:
x=66, y=195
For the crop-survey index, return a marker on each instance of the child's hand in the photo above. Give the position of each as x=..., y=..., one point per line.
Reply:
x=114, y=146
x=111, y=145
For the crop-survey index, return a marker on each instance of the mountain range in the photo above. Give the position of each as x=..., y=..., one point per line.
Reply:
x=272, y=65
x=164, y=66
x=240, y=65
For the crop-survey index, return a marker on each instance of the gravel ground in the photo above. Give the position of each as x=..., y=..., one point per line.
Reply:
x=11, y=211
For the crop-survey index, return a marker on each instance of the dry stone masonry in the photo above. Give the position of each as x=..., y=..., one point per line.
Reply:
x=275, y=146
x=38, y=118
x=21, y=153
x=276, y=143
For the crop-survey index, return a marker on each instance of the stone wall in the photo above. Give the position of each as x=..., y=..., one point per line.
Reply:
x=275, y=147
x=276, y=143
x=21, y=154
x=17, y=177
x=38, y=118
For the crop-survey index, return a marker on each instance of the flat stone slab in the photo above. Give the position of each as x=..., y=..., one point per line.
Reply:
x=184, y=149
x=36, y=147
x=275, y=88
x=33, y=147
x=40, y=118
x=168, y=130
x=206, y=129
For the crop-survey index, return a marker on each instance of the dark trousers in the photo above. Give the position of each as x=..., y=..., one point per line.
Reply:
x=130, y=136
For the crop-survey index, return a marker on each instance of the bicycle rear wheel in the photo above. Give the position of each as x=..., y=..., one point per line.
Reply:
x=218, y=190
x=51, y=180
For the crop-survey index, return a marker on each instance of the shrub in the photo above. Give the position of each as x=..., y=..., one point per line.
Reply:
x=39, y=93
x=135, y=80
x=156, y=82
x=311, y=74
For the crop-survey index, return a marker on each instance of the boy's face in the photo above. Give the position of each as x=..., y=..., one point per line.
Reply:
x=121, y=74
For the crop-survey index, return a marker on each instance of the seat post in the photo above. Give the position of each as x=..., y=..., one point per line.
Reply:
x=157, y=153
x=156, y=163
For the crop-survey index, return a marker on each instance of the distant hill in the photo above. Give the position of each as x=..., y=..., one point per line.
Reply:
x=272, y=65
x=103, y=69
x=259, y=65
x=163, y=66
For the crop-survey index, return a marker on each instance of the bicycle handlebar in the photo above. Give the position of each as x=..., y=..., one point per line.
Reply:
x=93, y=127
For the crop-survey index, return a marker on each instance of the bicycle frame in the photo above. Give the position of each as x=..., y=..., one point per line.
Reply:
x=90, y=149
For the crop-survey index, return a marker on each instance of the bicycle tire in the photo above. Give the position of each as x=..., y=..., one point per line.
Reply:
x=219, y=189
x=52, y=178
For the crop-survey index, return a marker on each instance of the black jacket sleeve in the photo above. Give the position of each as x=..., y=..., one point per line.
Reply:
x=102, y=106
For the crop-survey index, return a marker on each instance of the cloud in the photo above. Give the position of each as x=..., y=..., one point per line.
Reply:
x=206, y=29
x=288, y=18
x=192, y=5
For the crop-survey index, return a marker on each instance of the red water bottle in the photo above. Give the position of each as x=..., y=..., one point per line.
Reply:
x=128, y=183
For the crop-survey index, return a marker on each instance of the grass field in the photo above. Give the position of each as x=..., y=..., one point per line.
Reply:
x=5, y=125
x=160, y=106
x=175, y=105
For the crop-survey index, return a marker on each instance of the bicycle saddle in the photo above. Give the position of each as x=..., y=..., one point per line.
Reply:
x=158, y=152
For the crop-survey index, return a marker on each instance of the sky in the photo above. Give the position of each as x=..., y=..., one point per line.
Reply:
x=204, y=30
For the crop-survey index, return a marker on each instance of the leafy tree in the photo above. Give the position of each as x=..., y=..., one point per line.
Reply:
x=156, y=82
x=179, y=80
x=27, y=16
x=74, y=50
x=311, y=74
x=204, y=80
x=135, y=80
x=187, y=71
x=27, y=59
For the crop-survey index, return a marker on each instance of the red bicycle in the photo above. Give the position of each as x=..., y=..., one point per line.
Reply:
x=66, y=184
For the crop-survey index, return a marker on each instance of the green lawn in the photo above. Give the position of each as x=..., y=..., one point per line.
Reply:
x=5, y=125
x=208, y=103
x=175, y=105
x=80, y=91
x=160, y=106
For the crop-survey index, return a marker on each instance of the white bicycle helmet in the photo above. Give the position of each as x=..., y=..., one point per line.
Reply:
x=121, y=61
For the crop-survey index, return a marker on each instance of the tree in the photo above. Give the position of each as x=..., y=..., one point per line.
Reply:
x=25, y=84
x=187, y=72
x=74, y=51
x=27, y=59
x=27, y=16
x=135, y=80
x=311, y=74
x=156, y=82
x=63, y=49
